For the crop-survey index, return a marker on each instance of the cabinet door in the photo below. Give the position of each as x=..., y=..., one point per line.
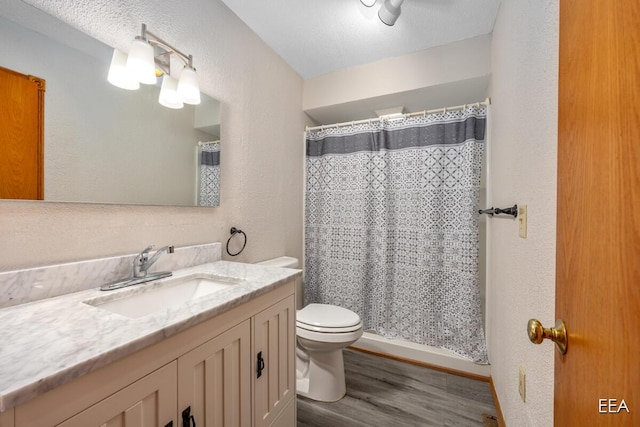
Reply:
x=148, y=402
x=7, y=418
x=214, y=380
x=287, y=417
x=274, y=339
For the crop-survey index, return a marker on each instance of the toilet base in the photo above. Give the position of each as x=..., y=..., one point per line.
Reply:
x=324, y=377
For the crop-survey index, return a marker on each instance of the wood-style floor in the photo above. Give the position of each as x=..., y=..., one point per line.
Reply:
x=389, y=393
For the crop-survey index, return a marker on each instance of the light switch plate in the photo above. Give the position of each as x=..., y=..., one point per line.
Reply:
x=522, y=221
x=522, y=383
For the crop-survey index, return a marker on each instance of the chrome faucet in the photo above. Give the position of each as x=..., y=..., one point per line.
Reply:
x=141, y=265
x=142, y=262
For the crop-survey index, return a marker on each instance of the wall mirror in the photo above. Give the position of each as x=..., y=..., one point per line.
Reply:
x=103, y=144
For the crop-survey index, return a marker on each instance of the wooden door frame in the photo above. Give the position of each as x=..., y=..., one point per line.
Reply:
x=41, y=86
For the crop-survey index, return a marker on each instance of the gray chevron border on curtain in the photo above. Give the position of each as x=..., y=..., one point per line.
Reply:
x=392, y=226
x=209, y=180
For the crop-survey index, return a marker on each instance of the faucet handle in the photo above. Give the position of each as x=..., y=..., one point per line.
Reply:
x=148, y=249
x=141, y=262
x=142, y=256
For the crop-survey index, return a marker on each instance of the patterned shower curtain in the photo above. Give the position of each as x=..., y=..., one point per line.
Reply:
x=392, y=226
x=209, y=181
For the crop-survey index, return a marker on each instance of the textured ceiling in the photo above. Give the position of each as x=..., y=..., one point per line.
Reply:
x=320, y=36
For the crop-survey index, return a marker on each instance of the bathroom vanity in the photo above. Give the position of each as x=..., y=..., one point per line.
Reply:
x=225, y=359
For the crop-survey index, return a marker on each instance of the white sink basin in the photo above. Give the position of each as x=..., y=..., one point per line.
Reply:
x=149, y=298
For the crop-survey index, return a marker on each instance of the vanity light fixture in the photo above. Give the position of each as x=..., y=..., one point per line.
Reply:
x=118, y=75
x=169, y=96
x=150, y=57
x=188, y=87
x=140, y=62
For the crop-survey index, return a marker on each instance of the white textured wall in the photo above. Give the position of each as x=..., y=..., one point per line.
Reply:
x=443, y=76
x=449, y=63
x=523, y=166
x=262, y=126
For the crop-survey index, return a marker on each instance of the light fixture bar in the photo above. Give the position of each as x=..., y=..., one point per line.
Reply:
x=187, y=88
x=154, y=40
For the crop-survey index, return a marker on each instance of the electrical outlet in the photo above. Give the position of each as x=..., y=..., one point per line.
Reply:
x=522, y=383
x=522, y=221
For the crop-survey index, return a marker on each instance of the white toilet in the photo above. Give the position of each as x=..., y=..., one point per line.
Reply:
x=322, y=332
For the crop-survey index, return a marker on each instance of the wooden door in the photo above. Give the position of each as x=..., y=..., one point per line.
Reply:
x=21, y=136
x=148, y=402
x=274, y=338
x=598, y=234
x=214, y=380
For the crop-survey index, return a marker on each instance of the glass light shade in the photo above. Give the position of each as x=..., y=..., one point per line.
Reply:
x=368, y=3
x=188, y=86
x=169, y=96
x=118, y=74
x=390, y=11
x=141, y=63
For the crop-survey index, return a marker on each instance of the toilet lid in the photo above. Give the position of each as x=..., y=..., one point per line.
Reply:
x=327, y=316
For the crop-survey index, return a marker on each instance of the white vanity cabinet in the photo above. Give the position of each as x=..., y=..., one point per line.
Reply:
x=214, y=380
x=147, y=402
x=210, y=368
x=274, y=337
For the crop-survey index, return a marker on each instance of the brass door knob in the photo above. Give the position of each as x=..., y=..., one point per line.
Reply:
x=557, y=334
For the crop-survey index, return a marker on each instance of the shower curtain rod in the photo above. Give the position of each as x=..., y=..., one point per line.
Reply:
x=201, y=143
x=404, y=116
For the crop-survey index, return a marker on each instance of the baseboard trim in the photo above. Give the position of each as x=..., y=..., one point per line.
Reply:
x=496, y=402
x=425, y=365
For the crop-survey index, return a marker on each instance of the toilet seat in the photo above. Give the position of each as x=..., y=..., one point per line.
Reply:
x=325, y=330
x=328, y=323
x=327, y=317
x=330, y=337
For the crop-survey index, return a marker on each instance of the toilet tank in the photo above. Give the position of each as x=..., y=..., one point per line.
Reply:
x=288, y=262
x=283, y=261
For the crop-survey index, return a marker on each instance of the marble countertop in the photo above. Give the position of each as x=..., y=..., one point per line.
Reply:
x=50, y=342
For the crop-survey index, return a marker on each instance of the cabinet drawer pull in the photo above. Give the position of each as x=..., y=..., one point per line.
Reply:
x=260, y=365
x=187, y=419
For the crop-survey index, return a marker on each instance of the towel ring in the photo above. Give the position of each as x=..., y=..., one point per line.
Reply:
x=233, y=232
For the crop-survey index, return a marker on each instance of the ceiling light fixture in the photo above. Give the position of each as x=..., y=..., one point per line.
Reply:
x=390, y=11
x=148, y=54
x=368, y=3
